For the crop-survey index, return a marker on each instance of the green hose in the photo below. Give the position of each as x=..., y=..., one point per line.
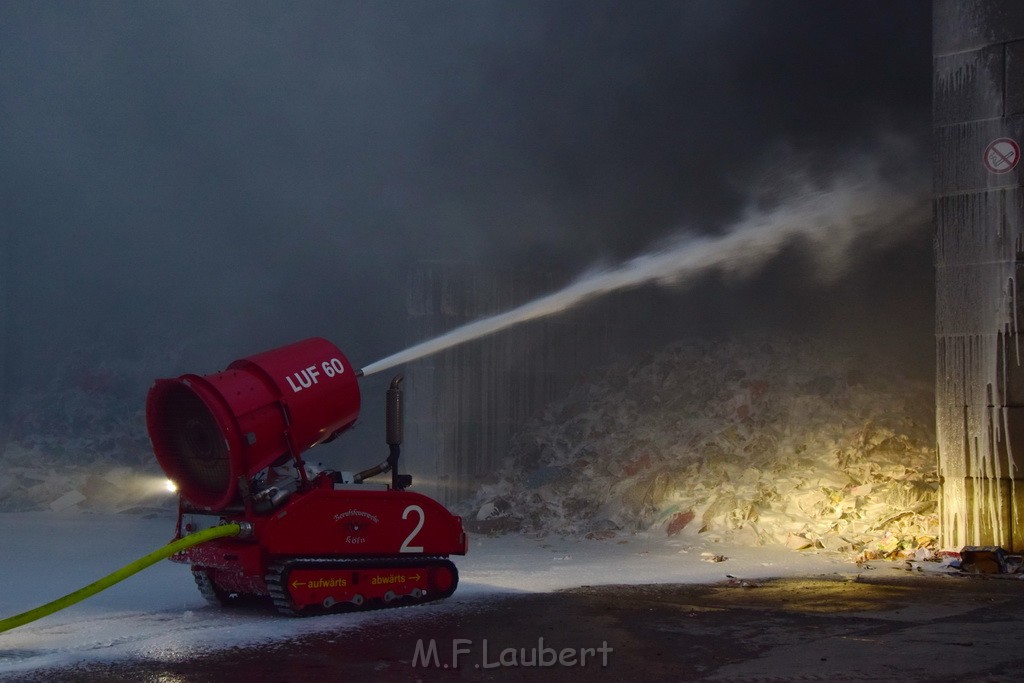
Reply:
x=120, y=575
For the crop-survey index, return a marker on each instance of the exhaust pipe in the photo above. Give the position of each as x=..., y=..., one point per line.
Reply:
x=393, y=426
x=394, y=431
x=394, y=417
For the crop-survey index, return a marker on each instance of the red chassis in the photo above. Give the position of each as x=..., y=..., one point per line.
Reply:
x=330, y=547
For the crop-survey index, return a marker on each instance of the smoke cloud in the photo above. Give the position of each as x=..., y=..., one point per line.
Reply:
x=827, y=222
x=188, y=183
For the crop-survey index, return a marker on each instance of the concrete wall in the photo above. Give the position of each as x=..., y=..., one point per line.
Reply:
x=464, y=405
x=978, y=99
x=7, y=329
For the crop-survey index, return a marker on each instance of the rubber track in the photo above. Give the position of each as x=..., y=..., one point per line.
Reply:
x=206, y=588
x=277, y=586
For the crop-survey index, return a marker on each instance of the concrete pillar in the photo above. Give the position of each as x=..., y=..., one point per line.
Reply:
x=978, y=120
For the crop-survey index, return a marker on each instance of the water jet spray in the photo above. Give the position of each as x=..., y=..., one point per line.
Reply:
x=829, y=222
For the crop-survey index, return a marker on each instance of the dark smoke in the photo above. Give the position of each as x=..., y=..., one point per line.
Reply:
x=200, y=181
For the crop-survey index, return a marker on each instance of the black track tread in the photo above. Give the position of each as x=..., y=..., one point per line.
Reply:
x=215, y=595
x=206, y=587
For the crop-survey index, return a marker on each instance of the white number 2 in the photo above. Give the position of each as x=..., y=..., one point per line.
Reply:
x=406, y=548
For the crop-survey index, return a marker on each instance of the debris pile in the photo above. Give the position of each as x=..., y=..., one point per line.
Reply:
x=752, y=441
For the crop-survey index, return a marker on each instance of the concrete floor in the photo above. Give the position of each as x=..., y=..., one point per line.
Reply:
x=881, y=625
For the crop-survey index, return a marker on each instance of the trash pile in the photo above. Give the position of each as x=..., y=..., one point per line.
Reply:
x=79, y=442
x=751, y=441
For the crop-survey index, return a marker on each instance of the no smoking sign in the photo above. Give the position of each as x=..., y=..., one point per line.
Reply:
x=1001, y=155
